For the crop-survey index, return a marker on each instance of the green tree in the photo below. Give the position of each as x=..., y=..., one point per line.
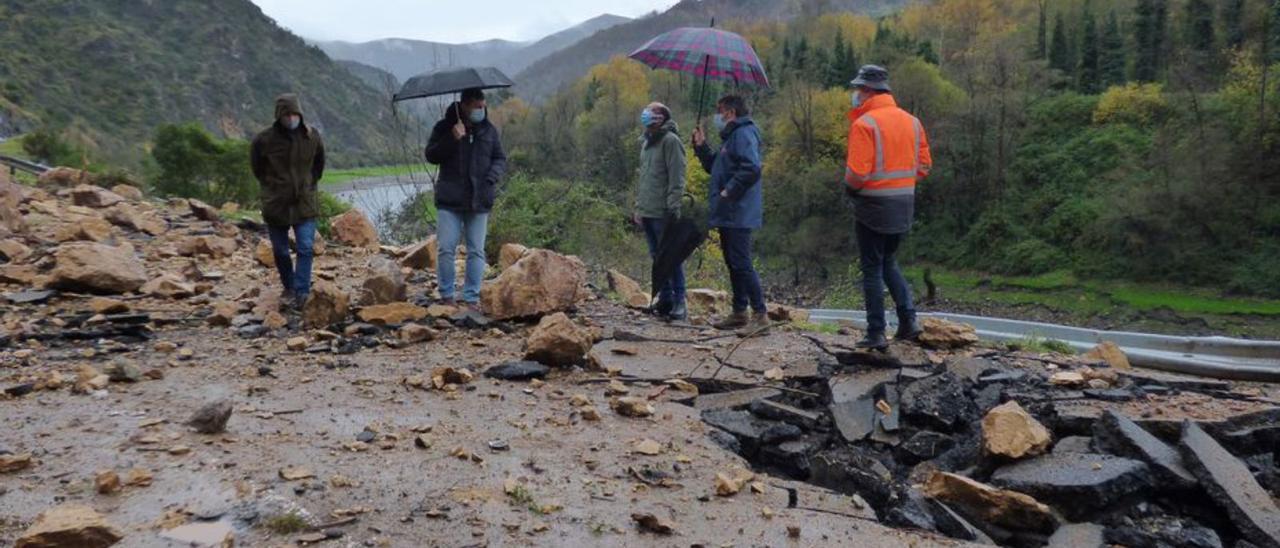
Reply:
x=1233, y=23
x=1197, y=30
x=1089, y=77
x=194, y=164
x=1111, y=59
x=1149, y=35
x=1042, y=31
x=1059, y=52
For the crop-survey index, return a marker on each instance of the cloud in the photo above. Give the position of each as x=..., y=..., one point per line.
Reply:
x=444, y=21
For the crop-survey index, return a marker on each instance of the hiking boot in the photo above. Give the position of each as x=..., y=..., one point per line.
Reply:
x=908, y=331
x=733, y=321
x=662, y=309
x=300, y=302
x=679, y=312
x=757, y=326
x=873, y=341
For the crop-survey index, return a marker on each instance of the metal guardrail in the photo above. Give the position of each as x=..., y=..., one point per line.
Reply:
x=17, y=164
x=1219, y=357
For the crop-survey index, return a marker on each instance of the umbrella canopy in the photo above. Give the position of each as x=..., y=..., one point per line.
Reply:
x=707, y=52
x=444, y=82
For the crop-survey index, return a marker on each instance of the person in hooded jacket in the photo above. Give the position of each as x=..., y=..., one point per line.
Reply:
x=737, y=206
x=658, y=194
x=469, y=152
x=288, y=161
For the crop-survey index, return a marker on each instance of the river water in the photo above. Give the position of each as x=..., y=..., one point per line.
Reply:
x=377, y=196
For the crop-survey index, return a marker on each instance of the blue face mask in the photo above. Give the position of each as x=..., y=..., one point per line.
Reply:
x=646, y=118
x=720, y=123
x=476, y=116
x=857, y=99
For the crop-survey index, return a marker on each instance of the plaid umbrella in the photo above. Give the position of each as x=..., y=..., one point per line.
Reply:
x=705, y=52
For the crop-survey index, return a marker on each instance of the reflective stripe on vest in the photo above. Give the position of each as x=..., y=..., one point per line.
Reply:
x=879, y=173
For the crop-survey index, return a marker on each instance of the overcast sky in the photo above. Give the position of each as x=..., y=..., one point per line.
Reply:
x=452, y=21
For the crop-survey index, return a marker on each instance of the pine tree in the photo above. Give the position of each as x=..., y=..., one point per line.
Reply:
x=1111, y=58
x=1042, y=38
x=1233, y=23
x=1059, y=55
x=1149, y=33
x=1197, y=32
x=926, y=52
x=1089, y=78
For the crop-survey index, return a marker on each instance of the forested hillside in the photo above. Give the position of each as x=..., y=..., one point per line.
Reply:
x=1106, y=139
x=555, y=71
x=108, y=72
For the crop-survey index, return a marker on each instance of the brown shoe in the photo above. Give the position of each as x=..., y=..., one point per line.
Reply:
x=732, y=321
x=757, y=326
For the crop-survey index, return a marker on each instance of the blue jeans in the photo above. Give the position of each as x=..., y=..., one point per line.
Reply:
x=736, y=244
x=672, y=291
x=452, y=226
x=298, y=281
x=880, y=268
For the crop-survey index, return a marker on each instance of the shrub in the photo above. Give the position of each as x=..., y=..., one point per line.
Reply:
x=330, y=206
x=1136, y=104
x=192, y=163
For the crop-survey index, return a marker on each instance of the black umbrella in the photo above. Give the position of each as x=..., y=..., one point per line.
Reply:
x=456, y=80
x=680, y=238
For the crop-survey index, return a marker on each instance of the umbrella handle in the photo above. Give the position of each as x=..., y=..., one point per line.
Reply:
x=706, y=65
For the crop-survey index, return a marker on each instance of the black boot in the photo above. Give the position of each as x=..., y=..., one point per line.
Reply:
x=679, y=312
x=908, y=330
x=873, y=341
x=662, y=309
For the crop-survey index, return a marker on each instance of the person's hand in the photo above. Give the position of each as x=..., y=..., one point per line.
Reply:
x=635, y=218
x=699, y=137
x=459, y=131
x=724, y=193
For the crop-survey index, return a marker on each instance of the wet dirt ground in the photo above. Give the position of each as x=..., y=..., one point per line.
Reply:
x=578, y=487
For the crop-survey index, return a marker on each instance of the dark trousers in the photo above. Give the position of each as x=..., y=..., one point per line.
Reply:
x=880, y=268
x=736, y=245
x=672, y=291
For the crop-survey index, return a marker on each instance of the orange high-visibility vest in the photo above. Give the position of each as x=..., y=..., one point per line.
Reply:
x=888, y=149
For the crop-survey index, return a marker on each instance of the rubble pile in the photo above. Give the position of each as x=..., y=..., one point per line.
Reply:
x=986, y=445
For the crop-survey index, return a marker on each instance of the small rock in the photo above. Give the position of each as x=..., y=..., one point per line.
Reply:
x=214, y=534
x=1006, y=509
x=653, y=524
x=14, y=463
x=647, y=447
x=1110, y=353
x=558, y=342
x=326, y=306
x=1067, y=378
x=296, y=344
x=392, y=313
x=943, y=334
x=107, y=482
x=517, y=371
x=67, y=526
x=632, y=407
x=415, y=333
x=295, y=473
x=212, y=418
x=730, y=483
x=124, y=371
x=628, y=289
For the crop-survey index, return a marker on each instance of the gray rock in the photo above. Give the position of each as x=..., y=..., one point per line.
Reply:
x=1119, y=435
x=212, y=418
x=1109, y=394
x=734, y=399
x=124, y=371
x=793, y=457
x=1078, y=535
x=938, y=402
x=470, y=319
x=252, y=331
x=769, y=409
x=517, y=371
x=923, y=445
x=1230, y=485
x=725, y=440
x=853, y=401
x=779, y=433
x=1077, y=484
x=972, y=368
x=1074, y=444
x=30, y=297
x=1163, y=531
x=853, y=470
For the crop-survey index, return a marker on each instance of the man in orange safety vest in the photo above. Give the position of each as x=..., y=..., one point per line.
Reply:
x=888, y=153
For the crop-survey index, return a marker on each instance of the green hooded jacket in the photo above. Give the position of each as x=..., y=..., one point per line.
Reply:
x=288, y=164
x=662, y=172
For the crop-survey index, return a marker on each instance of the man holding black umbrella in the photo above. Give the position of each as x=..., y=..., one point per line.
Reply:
x=469, y=152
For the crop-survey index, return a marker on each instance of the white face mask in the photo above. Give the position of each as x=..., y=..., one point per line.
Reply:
x=857, y=99
x=291, y=122
x=720, y=123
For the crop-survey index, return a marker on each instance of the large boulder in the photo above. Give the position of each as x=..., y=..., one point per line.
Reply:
x=209, y=246
x=127, y=216
x=67, y=526
x=354, y=229
x=128, y=192
x=510, y=254
x=709, y=302
x=1009, y=431
x=96, y=268
x=65, y=177
x=540, y=283
x=11, y=220
x=557, y=341
x=940, y=333
x=13, y=251
x=203, y=211
x=628, y=289
x=94, y=196
x=385, y=283
x=88, y=229
x=420, y=256
x=326, y=306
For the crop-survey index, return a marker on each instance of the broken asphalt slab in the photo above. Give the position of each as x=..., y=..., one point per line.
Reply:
x=1232, y=487
x=1119, y=435
x=1078, y=485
